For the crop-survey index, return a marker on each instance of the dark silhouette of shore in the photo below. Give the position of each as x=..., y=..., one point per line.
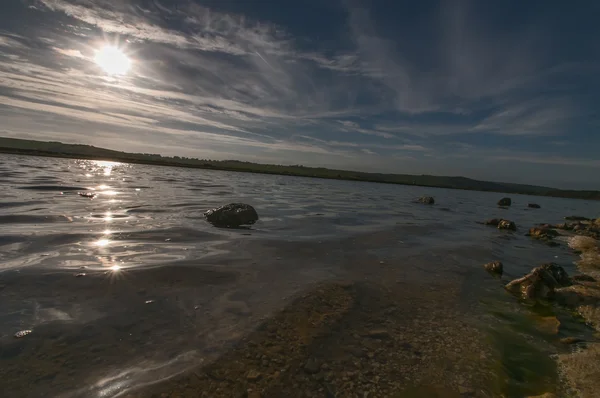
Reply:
x=58, y=149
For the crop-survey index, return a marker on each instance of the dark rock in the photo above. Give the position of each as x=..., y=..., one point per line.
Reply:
x=558, y=273
x=505, y=224
x=495, y=267
x=540, y=282
x=571, y=340
x=577, y=218
x=534, y=206
x=88, y=195
x=504, y=202
x=232, y=215
x=426, y=199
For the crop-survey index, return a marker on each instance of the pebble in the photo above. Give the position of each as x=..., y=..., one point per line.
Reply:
x=253, y=375
x=79, y=275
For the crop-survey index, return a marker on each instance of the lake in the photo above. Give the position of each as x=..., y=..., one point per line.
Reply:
x=128, y=292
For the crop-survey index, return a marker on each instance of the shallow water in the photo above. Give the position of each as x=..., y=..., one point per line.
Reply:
x=163, y=290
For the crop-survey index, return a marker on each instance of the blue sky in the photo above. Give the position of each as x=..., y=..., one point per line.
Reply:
x=504, y=91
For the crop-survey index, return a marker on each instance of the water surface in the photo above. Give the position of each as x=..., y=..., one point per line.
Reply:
x=164, y=291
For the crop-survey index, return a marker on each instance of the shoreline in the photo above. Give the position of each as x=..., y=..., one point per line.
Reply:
x=552, y=193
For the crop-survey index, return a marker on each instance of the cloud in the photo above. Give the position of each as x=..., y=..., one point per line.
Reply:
x=539, y=116
x=221, y=82
x=70, y=53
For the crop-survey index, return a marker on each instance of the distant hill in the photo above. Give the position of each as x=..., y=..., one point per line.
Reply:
x=58, y=149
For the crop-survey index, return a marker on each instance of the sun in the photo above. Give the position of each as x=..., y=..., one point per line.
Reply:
x=113, y=60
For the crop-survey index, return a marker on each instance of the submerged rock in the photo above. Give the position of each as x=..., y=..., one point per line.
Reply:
x=542, y=233
x=534, y=206
x=232, y=215
x=428, y=200
x=505, y=224
x=501, y=224
x=571, y=340
x=563, y=226
x=583, y=278
x=576, y=218
x=540, y=282
x=547, y=324
x=505, y=202
x=495, y=267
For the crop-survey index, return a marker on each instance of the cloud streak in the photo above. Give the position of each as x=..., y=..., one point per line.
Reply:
x=220, y=82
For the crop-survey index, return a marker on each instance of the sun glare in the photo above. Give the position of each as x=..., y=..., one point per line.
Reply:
x=112, y=60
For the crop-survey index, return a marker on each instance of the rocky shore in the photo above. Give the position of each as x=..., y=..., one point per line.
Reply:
x=580, y=294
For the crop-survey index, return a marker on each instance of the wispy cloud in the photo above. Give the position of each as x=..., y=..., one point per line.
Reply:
x=221, y=82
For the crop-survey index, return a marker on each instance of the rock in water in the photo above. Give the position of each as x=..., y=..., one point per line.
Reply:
x=505, y=224
x=232, y=215
x=495, y=267
x=540, y=282
x=504, y=202
x=542, y=233
x=534, y=206
x=427, y=200
x=22, y=333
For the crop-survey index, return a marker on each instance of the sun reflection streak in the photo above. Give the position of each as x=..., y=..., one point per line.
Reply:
x=102, y=242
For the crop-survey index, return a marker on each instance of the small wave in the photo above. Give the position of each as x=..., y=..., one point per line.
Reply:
x=140, y=210
x=20, y=204
x=33, y=219
x=52, y=188
x=175, y=234
x=112, y=215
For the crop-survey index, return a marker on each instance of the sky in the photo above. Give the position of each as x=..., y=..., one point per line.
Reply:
x=502, y=91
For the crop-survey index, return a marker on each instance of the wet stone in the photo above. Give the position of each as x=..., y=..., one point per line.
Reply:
x=495, y=267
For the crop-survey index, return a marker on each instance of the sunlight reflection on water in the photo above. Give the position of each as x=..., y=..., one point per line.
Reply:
x=146, y=219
